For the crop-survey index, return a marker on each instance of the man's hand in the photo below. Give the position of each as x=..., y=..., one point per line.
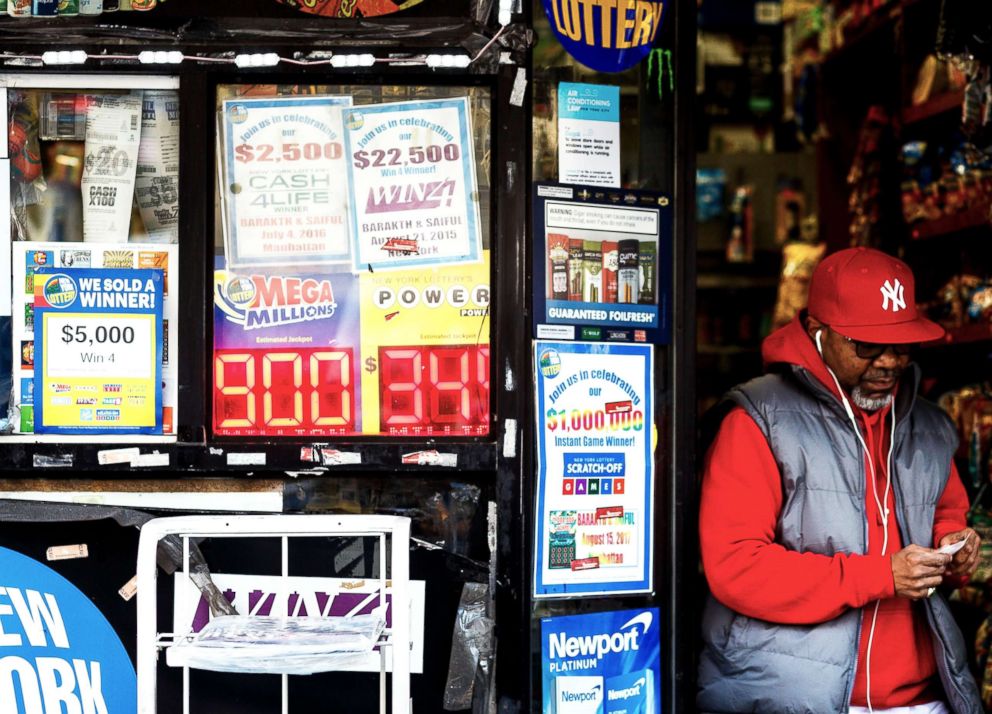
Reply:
x=915, y=570
x=964, y=562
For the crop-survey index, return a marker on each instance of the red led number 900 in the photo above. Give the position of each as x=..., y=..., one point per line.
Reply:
x=439, y=390
x=283, y=393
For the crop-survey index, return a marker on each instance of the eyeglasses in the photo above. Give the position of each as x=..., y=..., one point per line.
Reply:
x=873, y=350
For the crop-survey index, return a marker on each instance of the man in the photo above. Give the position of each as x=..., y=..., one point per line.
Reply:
x=825, y=495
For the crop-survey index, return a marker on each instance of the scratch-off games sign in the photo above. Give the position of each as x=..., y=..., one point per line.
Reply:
x=602, y=663
x=595, y=484
x=607, y=36
x=57, y=651
x=99, y=342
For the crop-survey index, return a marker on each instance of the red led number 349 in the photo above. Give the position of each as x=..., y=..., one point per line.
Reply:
x=436, y=390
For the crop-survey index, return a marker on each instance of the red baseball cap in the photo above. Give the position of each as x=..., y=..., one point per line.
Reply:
x=869, y=296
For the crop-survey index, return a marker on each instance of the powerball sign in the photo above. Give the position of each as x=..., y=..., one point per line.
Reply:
x=595, y=487
x=99, y=341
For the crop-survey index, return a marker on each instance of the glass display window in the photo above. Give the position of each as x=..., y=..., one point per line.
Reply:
x=92, y=167
x=352, y=261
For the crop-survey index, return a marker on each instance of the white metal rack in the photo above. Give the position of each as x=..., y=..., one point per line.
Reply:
x=396, y=637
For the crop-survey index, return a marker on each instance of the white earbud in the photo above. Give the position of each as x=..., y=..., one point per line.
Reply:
x=880, y=503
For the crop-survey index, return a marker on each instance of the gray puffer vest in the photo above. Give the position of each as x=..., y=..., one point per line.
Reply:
x=750, y=665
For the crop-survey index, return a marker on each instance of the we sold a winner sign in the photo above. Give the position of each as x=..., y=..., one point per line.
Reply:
x=98, y=337
x=57, y=651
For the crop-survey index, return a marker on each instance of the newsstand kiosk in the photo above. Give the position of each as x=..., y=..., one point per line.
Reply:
x=271, y=423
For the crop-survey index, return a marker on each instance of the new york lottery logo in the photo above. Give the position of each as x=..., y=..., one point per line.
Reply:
x=550, y=362
x=60, y=291
x=261, y=301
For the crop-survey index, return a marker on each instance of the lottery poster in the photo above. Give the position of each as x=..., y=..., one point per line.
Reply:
x=595, y=488
x=31, y=257
x=99, y=350
x=285, y=353
x=401, y=353
x=602, y=264
x=602, y=663
x=413, y=186
x=425, y=341
x=285, y=201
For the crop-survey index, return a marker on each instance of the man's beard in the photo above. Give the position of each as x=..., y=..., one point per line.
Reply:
x=869, y=404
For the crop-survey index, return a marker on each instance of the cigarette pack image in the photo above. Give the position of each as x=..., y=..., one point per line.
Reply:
x=578, y=695
x=631, y=693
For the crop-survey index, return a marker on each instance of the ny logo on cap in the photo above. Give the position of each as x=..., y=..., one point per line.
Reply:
x=895, y=294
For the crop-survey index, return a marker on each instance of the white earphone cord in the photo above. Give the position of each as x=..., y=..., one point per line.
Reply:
x=883, y=511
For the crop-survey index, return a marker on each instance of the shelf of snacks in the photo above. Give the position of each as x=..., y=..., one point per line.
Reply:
x=974, y=217
x=716, y=281
x=859, y=24
x=974, y=332
x=727, y=350
x=941, y=104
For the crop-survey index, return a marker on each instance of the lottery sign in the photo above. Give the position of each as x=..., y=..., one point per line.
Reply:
x=596, y=470
x=396, y=353
x=99, y=342
x=414, y=194
x=286, y=204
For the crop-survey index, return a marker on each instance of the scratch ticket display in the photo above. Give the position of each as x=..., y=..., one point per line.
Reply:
x=28, y=258
x=156, y=187
x=403, y=353
x=596, y=477
x=113, y=135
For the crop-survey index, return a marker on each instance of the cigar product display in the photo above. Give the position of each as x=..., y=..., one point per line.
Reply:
x=628, y=273
x=592, y=268
x=576, y=262
x=601, y=271
x=558, y=266
x=610, y=267
x=647, y=260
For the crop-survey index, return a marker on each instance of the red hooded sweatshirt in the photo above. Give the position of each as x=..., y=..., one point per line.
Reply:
x=752, y=574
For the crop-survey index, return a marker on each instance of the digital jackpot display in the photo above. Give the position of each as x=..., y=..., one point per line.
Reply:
x=397, y=353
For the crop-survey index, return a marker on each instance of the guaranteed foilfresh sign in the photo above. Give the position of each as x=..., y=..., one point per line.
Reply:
x=414, y=194
x=284, y=163
x=98, y=338
x=596, y=478
x=57, y=651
